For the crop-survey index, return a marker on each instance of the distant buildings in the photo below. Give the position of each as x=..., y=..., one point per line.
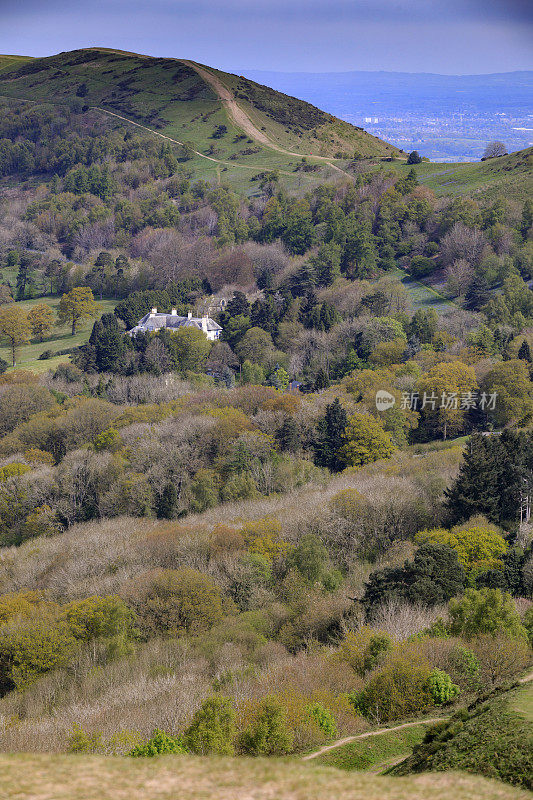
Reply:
x=155, y=321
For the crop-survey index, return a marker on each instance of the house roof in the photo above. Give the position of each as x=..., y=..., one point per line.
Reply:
x=158, y=320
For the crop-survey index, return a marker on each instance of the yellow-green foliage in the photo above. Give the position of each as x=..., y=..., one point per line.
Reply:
x=13, y=470
x=400, y=688
x=479, y=546
x=30, y=648
x=485, y=611
x=363, y=649
x=263, y=536
x=97, y=617
x=366, y=440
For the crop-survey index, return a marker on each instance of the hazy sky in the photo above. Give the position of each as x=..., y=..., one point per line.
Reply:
x=451, y=36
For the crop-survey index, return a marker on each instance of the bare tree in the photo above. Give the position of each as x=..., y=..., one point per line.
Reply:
x=494, y=150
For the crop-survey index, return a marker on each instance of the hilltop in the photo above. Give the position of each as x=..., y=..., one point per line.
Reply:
x=230, y=121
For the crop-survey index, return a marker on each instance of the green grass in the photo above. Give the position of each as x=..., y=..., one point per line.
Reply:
x=510, y=177
x=170, y=97
x=491, y=737
x=362, y=754
x=59, y=339
x=523, y=702
x=60, y=777
x=424, y=296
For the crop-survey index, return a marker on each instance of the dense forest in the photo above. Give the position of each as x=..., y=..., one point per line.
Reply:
x=234, y=546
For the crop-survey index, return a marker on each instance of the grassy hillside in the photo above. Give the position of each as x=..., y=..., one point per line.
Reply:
x=508, y=176
x=101, y=778
x=492, y=737
x=374, y=752
x=173, y=98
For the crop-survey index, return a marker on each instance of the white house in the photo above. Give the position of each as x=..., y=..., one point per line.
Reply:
x=155, y=320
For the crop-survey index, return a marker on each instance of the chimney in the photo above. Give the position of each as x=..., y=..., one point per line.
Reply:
x=204, y=323
x=174, y=313
x=189, y=314
x=154, y=311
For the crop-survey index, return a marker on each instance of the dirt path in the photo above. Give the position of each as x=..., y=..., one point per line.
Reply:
x=243, y=121
x=348, y=739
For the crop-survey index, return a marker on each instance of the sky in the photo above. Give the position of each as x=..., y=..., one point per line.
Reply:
x=446, y=36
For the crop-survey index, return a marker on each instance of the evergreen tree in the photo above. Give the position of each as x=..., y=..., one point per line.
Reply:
x=238, y=305
x=475, y=490
x=329, y=443
x=168, y=502
x=288, y=434
x=478, y=294
x=524, y=352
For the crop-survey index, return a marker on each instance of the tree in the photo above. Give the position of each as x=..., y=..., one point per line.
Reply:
x=485, y=611
x=524, y=352
x=175, y=601
x=433, y=577
x=441, y=391
x=168, y=502
x=267, y=734
x=494, y=150
x=414, y=157
x=188, y=347
x=365, y=440
x=479, y=547
x=107, y=339
x=76, y=306
x=14, y=327
x=41, y=319
x=212, y=730
x=329, y=440
x=255, y=346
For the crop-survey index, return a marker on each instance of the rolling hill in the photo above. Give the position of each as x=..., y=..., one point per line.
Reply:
x=229, y=121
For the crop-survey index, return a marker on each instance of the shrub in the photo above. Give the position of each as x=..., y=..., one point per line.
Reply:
x=441, y=687
x=400, y=689
x=466, y=666
x=364, y=649
x=481, y=611
x=173, y=601
x=323, y=718
x=97, y=617
x=479, y=547
x=30, y=648
x=267, y=734
x=212, y=730
x=160, y=743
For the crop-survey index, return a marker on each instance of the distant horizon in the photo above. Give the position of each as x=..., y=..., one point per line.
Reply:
x=442, y=37
x=241, y=70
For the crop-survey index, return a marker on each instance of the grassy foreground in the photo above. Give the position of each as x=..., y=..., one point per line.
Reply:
x=46, y=777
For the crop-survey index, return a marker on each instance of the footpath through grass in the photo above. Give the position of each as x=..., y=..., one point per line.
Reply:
x=362, y=754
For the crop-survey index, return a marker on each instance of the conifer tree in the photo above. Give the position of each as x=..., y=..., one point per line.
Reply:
x=329, y=442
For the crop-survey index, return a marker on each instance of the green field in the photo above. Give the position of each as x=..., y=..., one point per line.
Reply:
x=424, y=296
x=374, y=752
x=59, y=339
x=509, y=176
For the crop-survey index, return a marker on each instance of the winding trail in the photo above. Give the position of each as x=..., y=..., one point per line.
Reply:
x=348, y=739
x=243, y=121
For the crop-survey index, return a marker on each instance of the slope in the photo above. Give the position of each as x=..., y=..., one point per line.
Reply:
x=196, y=105
x=509, y=176
x=492, y=737
x=52, y=777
